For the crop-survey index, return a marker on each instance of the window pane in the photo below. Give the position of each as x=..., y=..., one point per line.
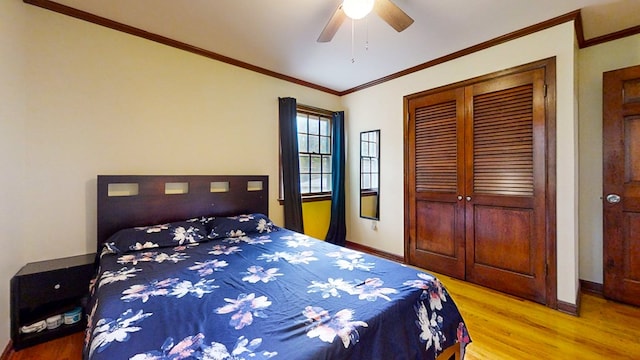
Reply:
x=366, y=184
x=326, y=164
x=373, y=149
x=314, y=144
x=324, y=127
x=314, y=125
x=305, y=182
x=364, y=151
x=374, y=182
x=316, y=164
x=374, y=165
x=364, y=137
x=326, y=182
x=302, y=143
x=366, y=168
x=302, y=123
x=304, y=164
x=316, y=183
x=324, y=145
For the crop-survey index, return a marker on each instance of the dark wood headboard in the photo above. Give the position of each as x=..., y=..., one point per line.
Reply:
x=126, y=201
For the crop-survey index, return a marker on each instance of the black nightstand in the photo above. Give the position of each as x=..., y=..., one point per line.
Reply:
x=47, y=288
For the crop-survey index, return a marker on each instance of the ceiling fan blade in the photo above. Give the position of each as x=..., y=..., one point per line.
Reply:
x=392, y=14
x=333, y=25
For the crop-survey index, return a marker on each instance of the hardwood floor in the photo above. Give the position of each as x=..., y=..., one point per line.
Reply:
x=66, y=348
x=502, y=328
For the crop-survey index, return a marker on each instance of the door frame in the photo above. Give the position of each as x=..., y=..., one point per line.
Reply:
x=549, y=66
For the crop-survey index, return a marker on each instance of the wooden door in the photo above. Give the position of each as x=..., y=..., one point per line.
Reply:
x=435, y=167
x=505, y=184
x=621, y=198
x=476, y=182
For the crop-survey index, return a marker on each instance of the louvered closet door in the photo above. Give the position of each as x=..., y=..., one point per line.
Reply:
x=505, y=184
x=435, y=168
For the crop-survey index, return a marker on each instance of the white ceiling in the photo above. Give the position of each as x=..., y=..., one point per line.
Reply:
x=280, y=35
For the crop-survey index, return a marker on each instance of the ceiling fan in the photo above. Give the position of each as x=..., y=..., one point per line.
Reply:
x=357, y=9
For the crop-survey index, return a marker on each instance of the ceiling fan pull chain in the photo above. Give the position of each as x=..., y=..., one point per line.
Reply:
x=353, y=31
x=366, y=38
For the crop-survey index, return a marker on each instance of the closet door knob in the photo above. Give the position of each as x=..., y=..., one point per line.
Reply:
x=468, y=198
x=459, y=197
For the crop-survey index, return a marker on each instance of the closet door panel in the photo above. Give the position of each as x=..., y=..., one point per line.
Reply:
x=505, y=184
x=435, y=171
x=436, y=233
x=500, y=231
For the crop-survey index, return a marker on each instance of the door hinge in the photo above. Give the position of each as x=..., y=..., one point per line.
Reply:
x=610, y=264
x=546, y=269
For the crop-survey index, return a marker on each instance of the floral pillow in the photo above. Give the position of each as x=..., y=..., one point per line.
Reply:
x=181, y=233
x=241, y=225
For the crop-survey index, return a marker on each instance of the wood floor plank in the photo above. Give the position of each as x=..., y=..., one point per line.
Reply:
x=502, y=328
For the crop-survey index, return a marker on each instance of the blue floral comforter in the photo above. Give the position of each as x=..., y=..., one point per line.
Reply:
x=245, y=289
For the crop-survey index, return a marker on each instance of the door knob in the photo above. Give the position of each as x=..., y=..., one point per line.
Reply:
x=613, y=198
x=459, y=197
x=468, y=198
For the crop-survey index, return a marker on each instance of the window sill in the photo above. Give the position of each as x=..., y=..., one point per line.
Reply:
x=311, y=198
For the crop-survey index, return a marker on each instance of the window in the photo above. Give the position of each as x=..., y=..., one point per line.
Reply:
x=314, y=148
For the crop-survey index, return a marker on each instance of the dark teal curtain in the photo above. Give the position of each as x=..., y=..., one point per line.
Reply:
x=290, y=164
x=337, y=233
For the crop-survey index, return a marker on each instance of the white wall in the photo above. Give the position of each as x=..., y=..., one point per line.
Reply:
x=593, y=62
x=381, y=107
x=12, y=148
x=78, y=100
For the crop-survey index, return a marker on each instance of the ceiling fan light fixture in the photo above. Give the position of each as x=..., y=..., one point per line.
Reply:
x=357, y=9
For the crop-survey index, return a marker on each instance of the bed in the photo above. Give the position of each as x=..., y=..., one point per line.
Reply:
x=191, y=267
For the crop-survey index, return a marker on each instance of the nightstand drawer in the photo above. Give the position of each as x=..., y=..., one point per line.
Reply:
x=54, y=285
